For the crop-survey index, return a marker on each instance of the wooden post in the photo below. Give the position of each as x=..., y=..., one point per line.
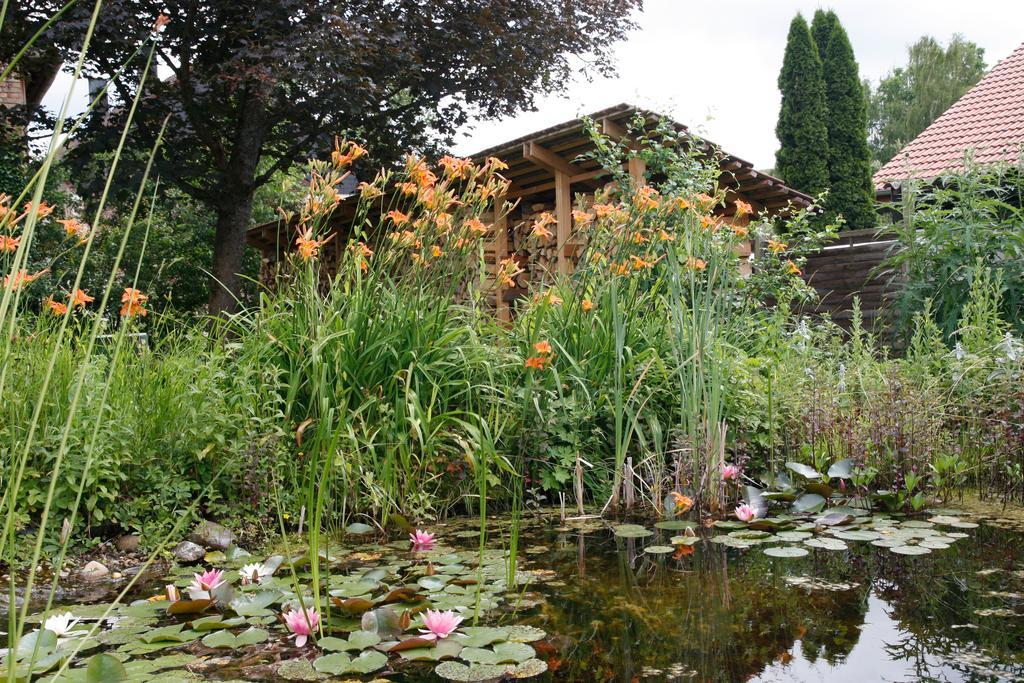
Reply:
x=500, y=229
x=563, y=214
x=637, y=169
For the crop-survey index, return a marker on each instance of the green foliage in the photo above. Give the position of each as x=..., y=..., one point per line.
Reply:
x=822, y=25
x=849, y=165
x=177, y=418
x=802, y=129
x=953, y=232
x=909, y=98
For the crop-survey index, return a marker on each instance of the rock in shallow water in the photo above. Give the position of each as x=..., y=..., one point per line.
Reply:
x=188, y=552
x=93, y=571
x=213, y=535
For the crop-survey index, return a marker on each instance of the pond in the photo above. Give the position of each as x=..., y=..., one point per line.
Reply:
x=865, y=597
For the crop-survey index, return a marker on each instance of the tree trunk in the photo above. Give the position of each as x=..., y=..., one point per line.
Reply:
x=228, y=249
x=234, y=202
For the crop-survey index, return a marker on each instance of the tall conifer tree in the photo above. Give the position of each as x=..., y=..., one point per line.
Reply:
x=802, y=130
x=821, y=29
x=849, y=157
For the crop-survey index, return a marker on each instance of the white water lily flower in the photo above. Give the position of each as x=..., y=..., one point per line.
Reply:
x=254, y=572
x=61, y=624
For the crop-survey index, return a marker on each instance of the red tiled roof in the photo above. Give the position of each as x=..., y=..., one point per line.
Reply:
x=988, y=119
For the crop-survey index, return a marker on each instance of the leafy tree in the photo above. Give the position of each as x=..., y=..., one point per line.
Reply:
x=849, y=159
x=252, y=88
x=801, y=129
x=909, y=98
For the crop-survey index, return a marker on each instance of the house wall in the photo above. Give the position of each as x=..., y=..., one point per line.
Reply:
x=12, y=92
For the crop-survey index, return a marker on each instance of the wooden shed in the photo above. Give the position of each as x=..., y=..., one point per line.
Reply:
x=547, y=171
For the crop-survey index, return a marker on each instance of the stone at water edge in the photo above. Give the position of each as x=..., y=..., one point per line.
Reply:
x=127, y=543
x=188, y=552
x=212, y=535
x=93, y=571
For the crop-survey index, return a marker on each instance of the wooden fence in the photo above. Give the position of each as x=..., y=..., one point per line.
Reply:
x=849, y=267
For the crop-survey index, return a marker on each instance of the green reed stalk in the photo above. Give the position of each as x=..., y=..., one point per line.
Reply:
x=80, y=382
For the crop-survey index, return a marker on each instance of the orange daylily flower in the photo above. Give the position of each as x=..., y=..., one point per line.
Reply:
x=75, y=228
x=435, y=251
x=9, y=244
x=682, y=204
x=792, y=268
x=542, y=347
x=777, y=247
x=307, y=246
x=457, y=168
x=742, y=208
x=369, y=190
x=537, y=362
x=132, y=301
x=19, y=279
x=587, y=305
x=582, y=218
x=639, y=263
x=639, y=238
x=740, y=231
x=397, y=217
x=604, y=210
x=55, y=307
x=341, y=159
x=711, y=222
x=508, y=268
x=540, y=230
x=476, y=226
x=408, y=188
x=705, y=200
x=695, y=263
x=646, y=198
x=80, y=298
x=42, y=211
x=494, y=164
x=683, y=503
x=666, y=237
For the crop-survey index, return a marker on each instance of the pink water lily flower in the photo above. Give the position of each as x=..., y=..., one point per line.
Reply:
x=439, y=624
x=745, y=513
x=172, y=593
x=302, y=623
x=204, y=583
x=730, y=472
x=422, y=540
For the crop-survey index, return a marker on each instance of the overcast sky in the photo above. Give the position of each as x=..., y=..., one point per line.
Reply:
x=713, y=64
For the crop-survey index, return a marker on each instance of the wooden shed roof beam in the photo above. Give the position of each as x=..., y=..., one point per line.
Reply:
x=545, y=158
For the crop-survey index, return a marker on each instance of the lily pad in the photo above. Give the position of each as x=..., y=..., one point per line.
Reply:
x=675, y=524
x=446, y=648
x=785, y=551
x=250, y=636
x=809, y=502
x=525, y=634
x=105, y=668
x=910, y=550
x=805, y=471
x=255, y=604
x=826, y=543
x=632, y=531
x=455, y=671
x=659, y=549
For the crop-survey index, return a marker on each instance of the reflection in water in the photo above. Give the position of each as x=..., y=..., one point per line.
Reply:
x=616, y=613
